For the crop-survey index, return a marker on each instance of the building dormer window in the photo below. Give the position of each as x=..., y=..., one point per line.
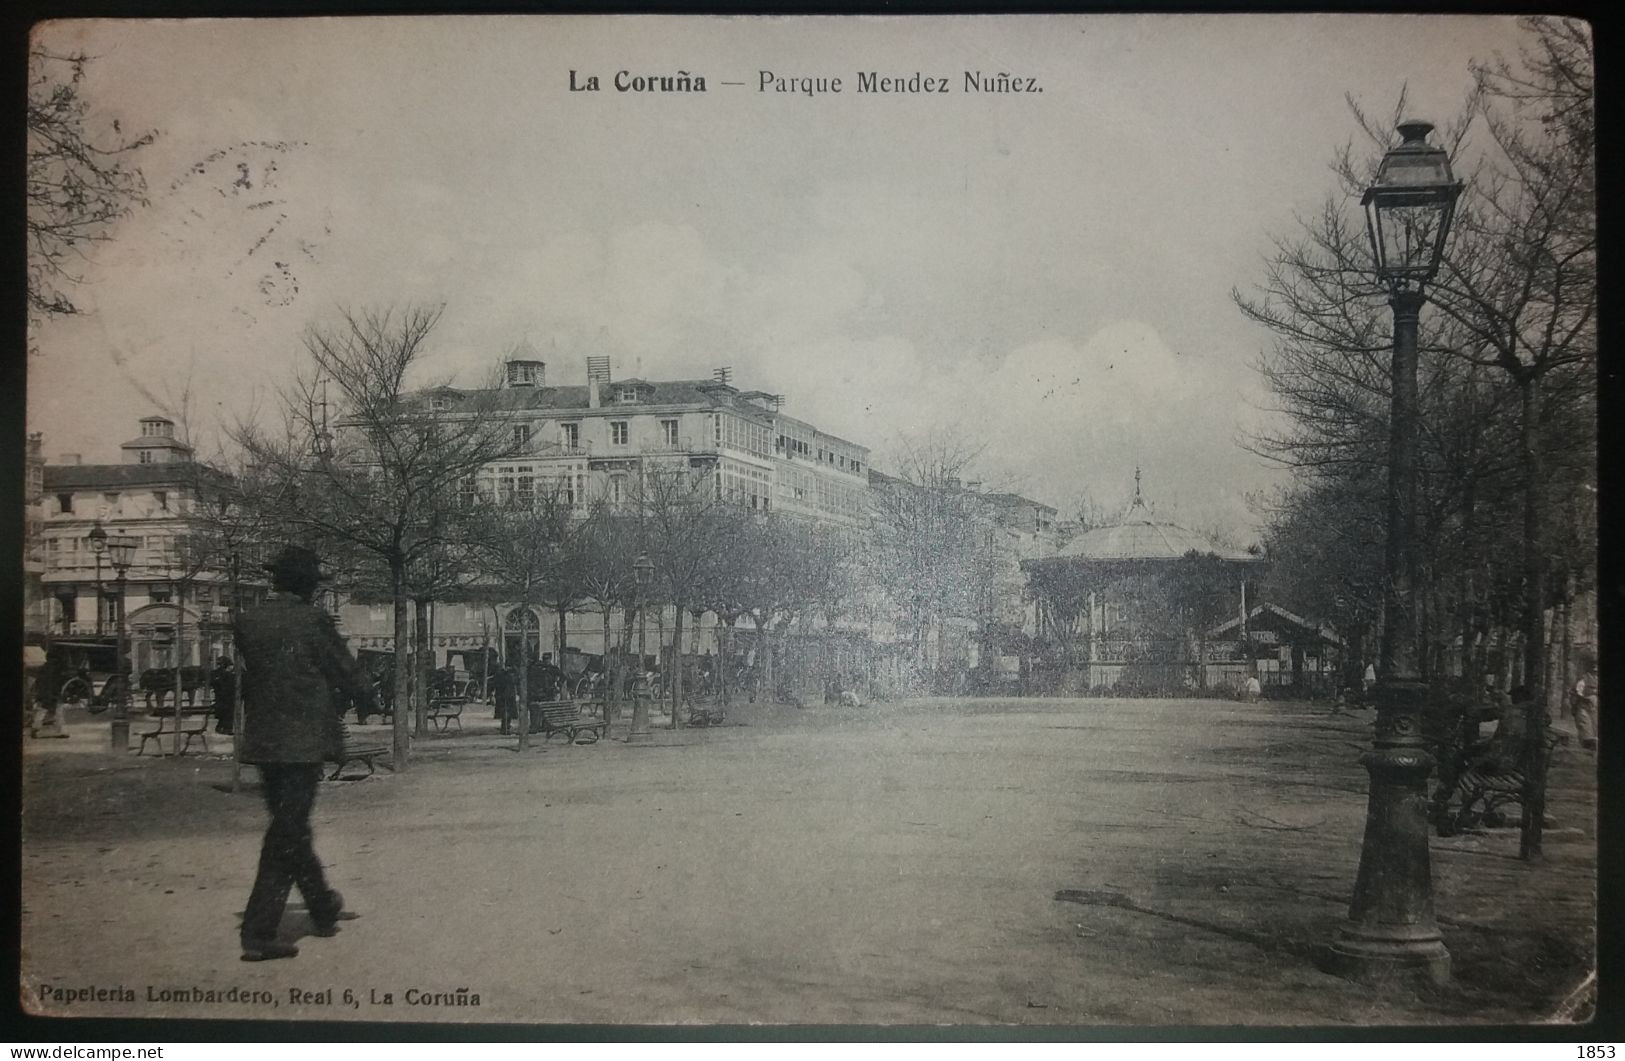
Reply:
x=439, y=405
x=626, y=395
x=144, y=457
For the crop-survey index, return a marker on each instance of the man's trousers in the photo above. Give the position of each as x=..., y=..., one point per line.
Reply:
x=287, y=857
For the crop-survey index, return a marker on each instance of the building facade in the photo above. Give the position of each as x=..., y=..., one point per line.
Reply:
x=593, y=443
x=174, y=613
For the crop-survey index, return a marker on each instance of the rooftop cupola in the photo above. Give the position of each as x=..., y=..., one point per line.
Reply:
x=524, y=367
x=156, y=444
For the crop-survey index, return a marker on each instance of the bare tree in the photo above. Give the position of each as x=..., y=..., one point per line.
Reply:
x=367, y=473
x=81, y=180
x=680, y=515
x=926, y=535
x=524, y=557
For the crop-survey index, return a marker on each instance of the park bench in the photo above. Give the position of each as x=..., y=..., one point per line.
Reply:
x=445, y=710
x=564, y=716
x=192, y=723
x=1482, y=787
x=705, y=712
x=359, y=750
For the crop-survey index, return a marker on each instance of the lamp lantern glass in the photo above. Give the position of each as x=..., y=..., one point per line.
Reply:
x=121, y=550
x=1409, y=209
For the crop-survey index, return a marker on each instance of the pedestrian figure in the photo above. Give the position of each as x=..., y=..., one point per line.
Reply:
x=1584, y=705
x=1369, y=681
x=546, y=682
x=502, y=685
x=294, y=659
x=223, y=684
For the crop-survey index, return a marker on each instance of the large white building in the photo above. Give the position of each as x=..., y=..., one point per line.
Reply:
x=593, y=441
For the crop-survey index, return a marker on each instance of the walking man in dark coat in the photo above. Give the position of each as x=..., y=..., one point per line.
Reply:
x=294, y=660
x=502, y=685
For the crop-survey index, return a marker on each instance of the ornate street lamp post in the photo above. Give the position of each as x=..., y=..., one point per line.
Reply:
x=643, y=570
x=1391, y=931
x=97, y=539
x=121, y=552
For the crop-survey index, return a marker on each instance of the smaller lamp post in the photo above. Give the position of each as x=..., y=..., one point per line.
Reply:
x=121, y=552
x=643, y=570
x=97, y=540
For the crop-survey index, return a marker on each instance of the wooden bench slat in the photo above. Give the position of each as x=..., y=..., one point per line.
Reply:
x=358, y=751
x=564, y=716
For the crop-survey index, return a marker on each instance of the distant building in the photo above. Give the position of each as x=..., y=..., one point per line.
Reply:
x=36, y=602
x=150, y=496
x=593, y=441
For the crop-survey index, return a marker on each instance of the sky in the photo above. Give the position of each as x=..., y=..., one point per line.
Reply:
x=1048, y=274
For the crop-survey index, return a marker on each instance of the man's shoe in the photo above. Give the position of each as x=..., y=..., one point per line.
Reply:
x=328, y=926
x=264, y=950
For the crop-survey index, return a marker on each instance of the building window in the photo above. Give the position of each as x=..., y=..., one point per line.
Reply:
x=64, y=504
x=626, y=395
x=161, y=498
x=526, y=493
x=570, y=435
x=521, y=436
x=144, y=457
x=617, y=432
x=668, y=429
x=158, y=596
x=439, y=405
x=617, y=489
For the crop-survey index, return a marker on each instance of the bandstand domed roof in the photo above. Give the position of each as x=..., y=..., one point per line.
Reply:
x=1141, y=536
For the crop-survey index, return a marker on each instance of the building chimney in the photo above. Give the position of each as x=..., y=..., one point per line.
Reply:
x=597, y=377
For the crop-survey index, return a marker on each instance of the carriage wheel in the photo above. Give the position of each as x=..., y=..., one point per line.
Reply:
x=75, y=691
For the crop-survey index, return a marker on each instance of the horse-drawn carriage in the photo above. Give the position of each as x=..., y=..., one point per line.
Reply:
x=80, y=672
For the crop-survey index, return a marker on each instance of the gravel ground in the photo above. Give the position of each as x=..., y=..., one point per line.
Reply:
x=971, y=861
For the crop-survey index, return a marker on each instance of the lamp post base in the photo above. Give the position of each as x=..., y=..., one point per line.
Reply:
x=1391, y=933
x=1377, y=958
x=639, y=733
x=119, y=744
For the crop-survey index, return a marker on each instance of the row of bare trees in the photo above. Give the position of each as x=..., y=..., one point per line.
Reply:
x=1506, y=496
x=400, y=500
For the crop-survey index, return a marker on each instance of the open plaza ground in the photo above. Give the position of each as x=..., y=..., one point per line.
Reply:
x=948, y=861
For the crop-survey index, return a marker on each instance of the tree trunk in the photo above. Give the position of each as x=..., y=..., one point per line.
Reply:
x=522, y=708
x=764, y=659
x=1534, y=622
x=611, y=667
x=401, y=733
x=677, y=664
x=420, y=649
x=180, y=659
x=564, y=613
x=724, y=639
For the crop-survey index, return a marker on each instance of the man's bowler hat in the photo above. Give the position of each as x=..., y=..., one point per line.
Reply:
x=296, y=565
